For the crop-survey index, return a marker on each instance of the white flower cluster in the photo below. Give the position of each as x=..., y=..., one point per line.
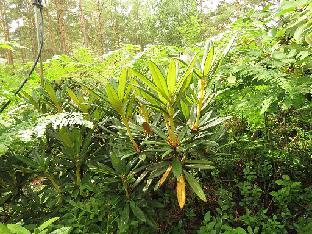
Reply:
x=57, y=121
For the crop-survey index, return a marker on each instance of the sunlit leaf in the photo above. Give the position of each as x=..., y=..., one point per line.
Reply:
x=172, y=76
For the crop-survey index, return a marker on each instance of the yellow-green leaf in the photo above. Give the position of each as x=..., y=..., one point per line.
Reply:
x=172, y=76
x=165, y=175
x=113, y=99
x=122, y=84
x=181, y=191
x=159, y=80
x=208, y=60
x=53, y=96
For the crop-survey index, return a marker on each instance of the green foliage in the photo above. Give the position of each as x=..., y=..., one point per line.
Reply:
x=141, y=142
x=42, y=229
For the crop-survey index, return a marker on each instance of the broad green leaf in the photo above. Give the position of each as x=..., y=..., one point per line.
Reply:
x=47, y=223
x=185, y=110
x=195, y=186
x=172, y=76
x=17, y=229
x=113, y=99
x=137, y=211
x=117, y=163
x=77, y=101
x=65, y=138
x=122, y=84
x=208, y=61
x=49, y=89
x=4, y=229
x=176, y=167
x=130, y=108
x=159, y=80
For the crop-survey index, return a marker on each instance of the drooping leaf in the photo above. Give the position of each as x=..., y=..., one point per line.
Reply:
x=137, y=211
x=181, y=191
x=195, y=186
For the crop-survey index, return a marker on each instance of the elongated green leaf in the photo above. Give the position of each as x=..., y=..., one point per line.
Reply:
x=214, y=122
x=47, y=223
x=176, y=167
x=184, y=87
x=122, y=84
x=144, y=79
x=117, y=163
x=185, y=110
x=151, y=98
x=102, y=168
x=159, y=80
x=200, y=161
x=65, y=138
x=113, y=99
x=188, y=71
x=172, y=76
x=208, y=60
x=16, y=228
x=200, y=166
x=77, y=101
x=130, y=108
x=140, y=178
x=195, y=186
x=137, y=212
x=50, y=91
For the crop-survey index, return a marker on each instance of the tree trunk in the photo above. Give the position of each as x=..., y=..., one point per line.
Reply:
x=100, y=29
x=60, y=12
x=5, y=28
x=83, y=24
x=50, y=34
